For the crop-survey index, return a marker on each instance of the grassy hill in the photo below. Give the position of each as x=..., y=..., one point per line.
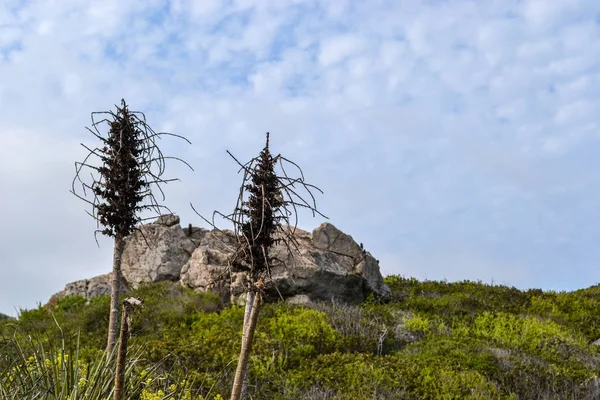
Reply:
x=434, y=340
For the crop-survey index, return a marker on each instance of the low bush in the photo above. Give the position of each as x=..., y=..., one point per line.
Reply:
x=434, y=340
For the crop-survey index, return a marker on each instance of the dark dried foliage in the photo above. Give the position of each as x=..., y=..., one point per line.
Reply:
x=257, y=216
x=130, y=164
x=266, y=205
x=263, y=219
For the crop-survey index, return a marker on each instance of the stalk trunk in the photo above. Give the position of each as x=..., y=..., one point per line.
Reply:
x=115, y=289
x=121, y=354
x=247, y=311
x=247, y=336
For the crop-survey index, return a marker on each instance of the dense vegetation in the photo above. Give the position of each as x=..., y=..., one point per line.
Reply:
x=434, y=340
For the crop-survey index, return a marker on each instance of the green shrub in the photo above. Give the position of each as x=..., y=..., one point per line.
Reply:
x=291, y=335
x=170, y=305
x=525, y=332
x=443, y=383
x=473, y=341
x=418, y=324
x=577, y=309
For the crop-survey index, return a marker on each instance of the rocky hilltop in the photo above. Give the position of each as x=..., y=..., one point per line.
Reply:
x=327, y=264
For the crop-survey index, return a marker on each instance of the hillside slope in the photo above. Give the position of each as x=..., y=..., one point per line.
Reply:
x=434, y=340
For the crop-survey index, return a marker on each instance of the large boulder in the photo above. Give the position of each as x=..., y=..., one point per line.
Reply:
x=207, y=268
x=156, y=252
x=326, y=264
x=88, y=288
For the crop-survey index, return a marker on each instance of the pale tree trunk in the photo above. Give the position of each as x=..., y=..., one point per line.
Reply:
x=121, y=354
x=128, y=307
x=247, y=336
x=115, y=289
x=247, y=311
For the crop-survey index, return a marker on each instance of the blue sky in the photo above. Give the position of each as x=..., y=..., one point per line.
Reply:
x=455, y=139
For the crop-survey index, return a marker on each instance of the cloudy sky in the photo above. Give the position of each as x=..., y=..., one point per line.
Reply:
x=457, y=139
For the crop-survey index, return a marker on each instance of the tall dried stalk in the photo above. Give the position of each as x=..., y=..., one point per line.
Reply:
x=128, y=165
x=128, y=308
x=266, y=202
x=241, y=373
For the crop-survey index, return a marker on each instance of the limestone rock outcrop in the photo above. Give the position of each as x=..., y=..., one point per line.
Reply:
x=88, y=288
x=326, y=264
x=156, y=252
x=206, y=269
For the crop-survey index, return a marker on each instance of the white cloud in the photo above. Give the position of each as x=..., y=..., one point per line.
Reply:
x=337, y=49
x=422, y=121
x=543, y=15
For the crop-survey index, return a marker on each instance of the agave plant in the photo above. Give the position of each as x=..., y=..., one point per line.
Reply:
x=32, y=368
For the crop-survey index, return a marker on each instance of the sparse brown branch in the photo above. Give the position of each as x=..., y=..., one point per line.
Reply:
x=84, y=199
x=159, y=134
x=96, y=134
x=242, y=166
x=95, y=151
